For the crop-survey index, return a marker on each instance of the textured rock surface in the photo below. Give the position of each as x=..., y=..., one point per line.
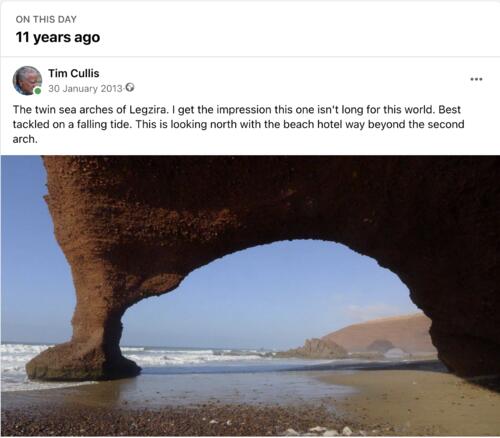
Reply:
x=133, y=227
x=316, y=349
x=409, y=332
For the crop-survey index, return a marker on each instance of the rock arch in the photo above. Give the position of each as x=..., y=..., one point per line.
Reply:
x=133, y=227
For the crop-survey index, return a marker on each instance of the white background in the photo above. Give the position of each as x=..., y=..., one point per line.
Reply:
x=266, y=53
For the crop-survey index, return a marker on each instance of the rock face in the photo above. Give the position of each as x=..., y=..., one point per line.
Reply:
x=409, y=332
x=380, y=346
x=134, y=227
x=316, y=349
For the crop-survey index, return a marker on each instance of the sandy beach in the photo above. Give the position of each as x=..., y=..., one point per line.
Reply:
x=195, y=404
x=205, y=420
x=418, y=402
x=395, y=399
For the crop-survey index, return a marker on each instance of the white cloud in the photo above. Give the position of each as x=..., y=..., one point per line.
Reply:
x=365, y=313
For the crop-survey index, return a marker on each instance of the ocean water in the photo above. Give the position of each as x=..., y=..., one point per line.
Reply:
x=156, y=361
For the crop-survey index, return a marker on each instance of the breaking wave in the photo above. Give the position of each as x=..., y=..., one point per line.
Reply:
x=15, y=356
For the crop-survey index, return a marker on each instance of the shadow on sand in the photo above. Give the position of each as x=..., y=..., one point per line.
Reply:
x=491, y=383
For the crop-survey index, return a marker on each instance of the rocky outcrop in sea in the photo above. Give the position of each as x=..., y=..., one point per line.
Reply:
x=316, y=349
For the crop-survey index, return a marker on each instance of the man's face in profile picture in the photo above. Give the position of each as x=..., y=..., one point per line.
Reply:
x=27, y=80
x=28, y=83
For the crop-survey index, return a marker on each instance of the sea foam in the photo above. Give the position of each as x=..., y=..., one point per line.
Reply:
x=15, y=356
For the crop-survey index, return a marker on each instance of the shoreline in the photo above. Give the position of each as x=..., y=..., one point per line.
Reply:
x=256, y=404
x=408, y=398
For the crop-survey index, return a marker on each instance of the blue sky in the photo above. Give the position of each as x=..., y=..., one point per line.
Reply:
x=271, y=296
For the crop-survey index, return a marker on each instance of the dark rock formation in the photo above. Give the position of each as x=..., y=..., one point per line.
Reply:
x=134, y=227
x=380, y=346
x=316, y=349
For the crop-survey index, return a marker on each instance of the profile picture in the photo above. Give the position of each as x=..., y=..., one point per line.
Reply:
x=26, y=79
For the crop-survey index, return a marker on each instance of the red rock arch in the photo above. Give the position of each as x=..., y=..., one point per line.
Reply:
x=133, y=227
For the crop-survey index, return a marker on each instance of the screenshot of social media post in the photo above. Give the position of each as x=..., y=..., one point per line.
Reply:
x=255, y=77
x=250, y=217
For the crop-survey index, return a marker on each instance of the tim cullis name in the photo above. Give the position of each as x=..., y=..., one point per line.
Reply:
x=74, y=73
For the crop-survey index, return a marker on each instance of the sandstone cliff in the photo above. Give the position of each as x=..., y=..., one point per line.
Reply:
x=380, y=346
x=135, y=227
x=408, y=332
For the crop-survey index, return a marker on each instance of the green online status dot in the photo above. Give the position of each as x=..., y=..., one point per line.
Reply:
x=37, y=90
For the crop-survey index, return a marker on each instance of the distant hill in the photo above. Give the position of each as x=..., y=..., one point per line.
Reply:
x=408, y=332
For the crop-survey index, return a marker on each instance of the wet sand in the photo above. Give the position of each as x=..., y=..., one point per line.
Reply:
x=156, y=391
x=416, y=398
x=420, y=402
x=253, y=404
